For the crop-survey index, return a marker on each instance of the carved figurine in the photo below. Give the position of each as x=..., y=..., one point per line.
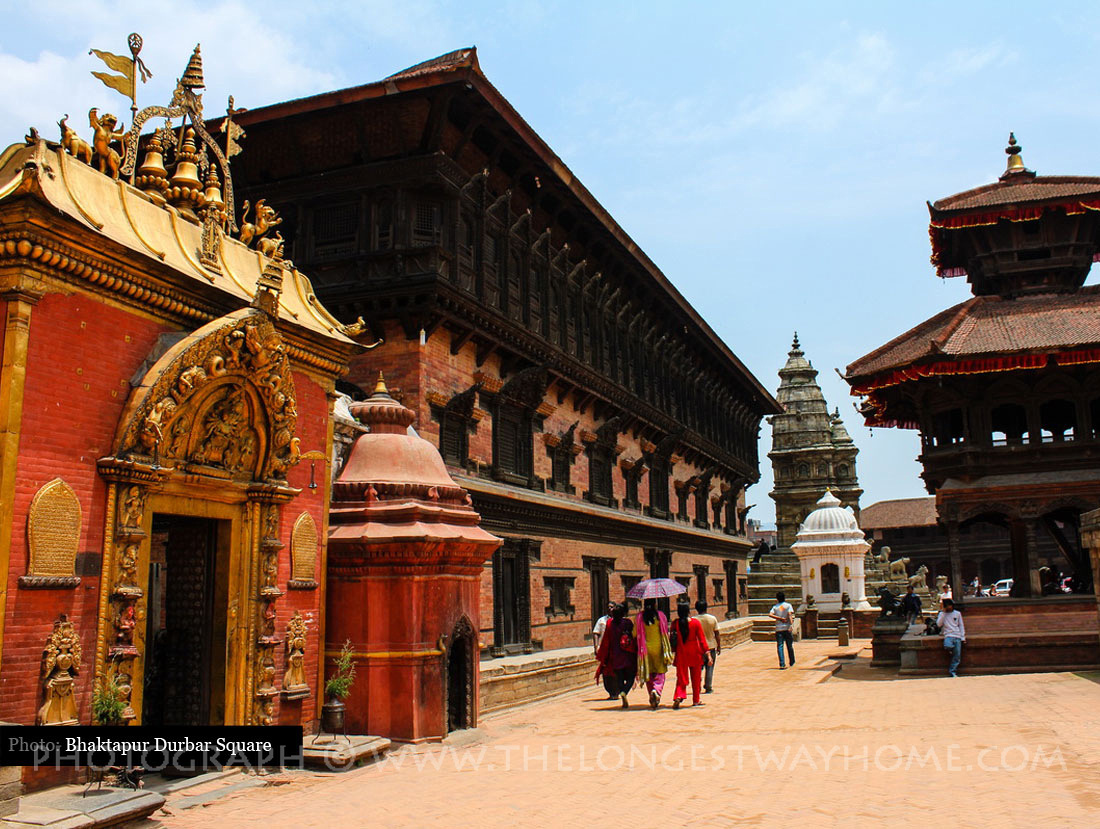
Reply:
x=295, y=677
x=265, y=219
x=883, y=557
x=888, y=601
x=918, y=580
x=127, y=565
x=899, y=569
x=62, y=663
x=133, y=507
x=269, y=246
x=73, y=144
x=221, y=429
x=125, y=624
x=107, y=158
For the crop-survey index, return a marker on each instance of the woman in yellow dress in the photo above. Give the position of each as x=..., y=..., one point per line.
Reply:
x=654, y=650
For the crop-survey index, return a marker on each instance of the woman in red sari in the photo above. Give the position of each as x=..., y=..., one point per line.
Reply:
x=692, y=653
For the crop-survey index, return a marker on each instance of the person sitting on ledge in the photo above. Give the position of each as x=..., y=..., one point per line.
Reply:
x=950, y=623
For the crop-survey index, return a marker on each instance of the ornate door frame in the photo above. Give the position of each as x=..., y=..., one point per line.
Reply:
x=208, y=432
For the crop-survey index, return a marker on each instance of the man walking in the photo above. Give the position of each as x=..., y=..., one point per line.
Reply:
x=783, y=614
x=950, y=623
x=710, y=633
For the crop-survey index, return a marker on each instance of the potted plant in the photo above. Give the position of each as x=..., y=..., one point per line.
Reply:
x=108, y=704
x=337, y=688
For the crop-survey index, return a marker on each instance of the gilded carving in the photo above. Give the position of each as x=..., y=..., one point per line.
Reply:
x=303, y=549
x=223, y=400
x=294, y=680
x=107, y=157
x=265, y=218
x=73, y=144
x=62, y=663
x=53, y=531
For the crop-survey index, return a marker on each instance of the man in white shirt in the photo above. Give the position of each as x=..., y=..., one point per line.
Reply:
x=783, y=614
x=714, y=643
x=597, y=635
x=950, y=623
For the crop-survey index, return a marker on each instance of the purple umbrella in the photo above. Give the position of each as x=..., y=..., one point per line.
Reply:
x=656, y=589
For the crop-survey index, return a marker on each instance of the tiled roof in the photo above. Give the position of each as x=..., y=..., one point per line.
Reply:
x=992, y=325
x=1020, y=190
x=901, y=512
x=458, y=59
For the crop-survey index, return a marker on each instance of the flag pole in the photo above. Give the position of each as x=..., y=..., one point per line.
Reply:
x=135, y=43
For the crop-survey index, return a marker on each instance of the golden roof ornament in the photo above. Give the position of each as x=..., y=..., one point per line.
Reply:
x=186, y=187
x=1015, y=161
x=380, y=386
x=270, y=285
x=192, y=75
x=152, y=175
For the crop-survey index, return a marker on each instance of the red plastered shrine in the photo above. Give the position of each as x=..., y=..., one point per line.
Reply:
x=405, y=560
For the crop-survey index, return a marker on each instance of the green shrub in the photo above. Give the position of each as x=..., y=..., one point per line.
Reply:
x=108, y=703
x=340, y=683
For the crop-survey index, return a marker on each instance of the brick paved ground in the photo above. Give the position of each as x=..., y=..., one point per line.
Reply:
x=862, y=748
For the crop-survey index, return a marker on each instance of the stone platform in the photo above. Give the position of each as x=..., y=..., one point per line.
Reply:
x=1053, y=633
x=337, y=753
x=63, y=807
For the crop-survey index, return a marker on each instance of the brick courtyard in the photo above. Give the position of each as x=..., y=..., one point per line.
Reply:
x=769, y=748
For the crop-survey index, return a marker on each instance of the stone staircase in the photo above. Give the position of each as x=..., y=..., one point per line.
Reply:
x=774, y=572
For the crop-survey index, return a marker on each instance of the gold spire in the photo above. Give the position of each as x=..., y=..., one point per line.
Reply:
x=152, y=176
x=186, y=190
x=192, y=75
x=380, y=386
x=1015, y=162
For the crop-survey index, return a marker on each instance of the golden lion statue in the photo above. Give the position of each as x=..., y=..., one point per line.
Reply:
x=107, y=158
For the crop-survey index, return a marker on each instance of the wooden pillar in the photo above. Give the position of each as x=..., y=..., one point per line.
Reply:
x=956, y=559
x=1031, y=557
x=13, y=374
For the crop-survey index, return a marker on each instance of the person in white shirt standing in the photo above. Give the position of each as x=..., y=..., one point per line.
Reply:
x=597, y=635
x=950, y=623
x=714, y=643
x=783, y=614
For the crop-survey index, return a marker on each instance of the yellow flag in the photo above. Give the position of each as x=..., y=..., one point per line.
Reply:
x=124, y=82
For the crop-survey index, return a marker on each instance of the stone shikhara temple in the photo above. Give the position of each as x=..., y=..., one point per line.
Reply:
x=185, y=522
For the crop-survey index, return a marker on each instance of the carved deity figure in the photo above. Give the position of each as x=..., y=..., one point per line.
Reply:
x=72, y=143
x=127, y=565
x=133, y=507
x=221, y=430
x=295, y=677
x=107, y=158
x=62, y=663
x=124, y=627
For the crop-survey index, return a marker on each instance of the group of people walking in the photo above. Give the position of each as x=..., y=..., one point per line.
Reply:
x=641, y=650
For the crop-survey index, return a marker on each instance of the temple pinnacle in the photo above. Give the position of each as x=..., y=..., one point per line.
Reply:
x=794, y=345
x=380, y=386
x=192, y=75
x=1015, y=162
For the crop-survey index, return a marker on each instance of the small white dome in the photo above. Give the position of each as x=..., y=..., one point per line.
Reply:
x=830, y=524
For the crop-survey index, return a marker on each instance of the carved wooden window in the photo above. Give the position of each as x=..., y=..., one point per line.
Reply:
x=383, y=225
x=560, y=589
x=53, y=536
x=335, y=230
x=512, y=439
x=466, y=240
x=1058, y=421
x=947, y=428
x=718, y=584
x=303, y=552
x=658, y=487
x=427, y=224
x=631, y=478
x=561, y=461
x=1009, y=423
x=702, y=494
x=515, y=287
x=732, y=583
x=599, y=570
x=512, y=595
x=599, y=474
x=454, y=438
x=700, y=571
x=629, y=583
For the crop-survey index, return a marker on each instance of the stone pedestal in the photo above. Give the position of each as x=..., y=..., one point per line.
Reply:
x=842, y=632
x=886, y=642
x=11, y=787
x=809, y=623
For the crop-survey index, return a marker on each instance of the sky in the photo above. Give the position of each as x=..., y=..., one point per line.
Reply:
x=773, y=159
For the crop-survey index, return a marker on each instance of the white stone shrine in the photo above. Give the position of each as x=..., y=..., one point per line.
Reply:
x=831, y=549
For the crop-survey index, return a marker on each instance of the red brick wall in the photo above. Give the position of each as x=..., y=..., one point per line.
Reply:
x=82, y=354
x=312, y=429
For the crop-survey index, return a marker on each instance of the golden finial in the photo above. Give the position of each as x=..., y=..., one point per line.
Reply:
x=1015, y=162
x=213, y=192
x=192, y=75
x=380, y=386
x=152, y=175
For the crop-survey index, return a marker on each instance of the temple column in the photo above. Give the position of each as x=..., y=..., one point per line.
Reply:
x=956, y=558
x=14, y=343
x=1031, y=553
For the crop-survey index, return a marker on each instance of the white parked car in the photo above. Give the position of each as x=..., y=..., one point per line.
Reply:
x=1003, y=586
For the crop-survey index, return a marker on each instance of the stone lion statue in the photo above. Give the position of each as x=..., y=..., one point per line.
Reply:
x=918, y=580
x=899, y=569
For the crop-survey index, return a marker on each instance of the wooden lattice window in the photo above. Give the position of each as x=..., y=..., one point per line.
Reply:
x=658, y=487
x=53, y=536
x=454, y=438
x=560, y=589
x=512, y=437
x=383, y=225
x=335, y=230
x=427, y=224
x=303, y=552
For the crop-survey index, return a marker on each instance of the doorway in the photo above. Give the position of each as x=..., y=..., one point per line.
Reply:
x=460, y=678
x=185, y=634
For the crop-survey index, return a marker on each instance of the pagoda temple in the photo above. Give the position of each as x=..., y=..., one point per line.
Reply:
x=1005, y=387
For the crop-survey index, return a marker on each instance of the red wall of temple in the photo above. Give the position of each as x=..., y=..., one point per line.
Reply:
x=81, y=356
x=312, y=430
